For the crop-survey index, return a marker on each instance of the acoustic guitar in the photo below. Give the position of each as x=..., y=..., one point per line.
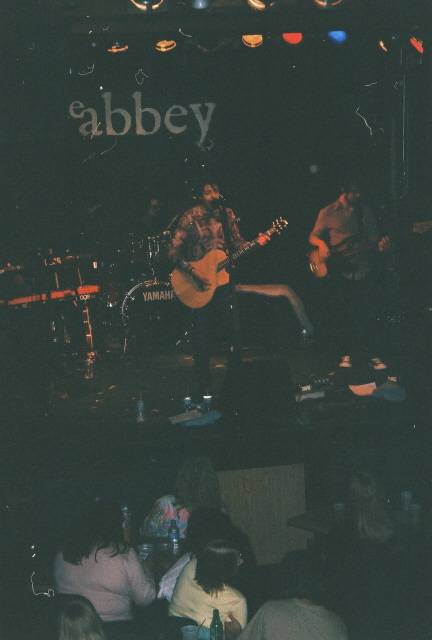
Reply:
x=213, y=267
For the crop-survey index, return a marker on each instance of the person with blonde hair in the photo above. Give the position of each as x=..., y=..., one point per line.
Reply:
x=365, y=560
x=370, y=508
x=78, y=620
x=196, y=486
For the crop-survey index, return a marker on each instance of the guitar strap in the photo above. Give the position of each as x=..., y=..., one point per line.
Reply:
x=226, y=229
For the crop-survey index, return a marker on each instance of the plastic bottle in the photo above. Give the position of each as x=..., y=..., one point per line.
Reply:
x=140, y=410
x=127, y=524
x=216, y=627
x=174, y=534
x=187, y=403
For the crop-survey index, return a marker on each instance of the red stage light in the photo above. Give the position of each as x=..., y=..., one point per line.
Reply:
x=417, y=43
x=292, y=38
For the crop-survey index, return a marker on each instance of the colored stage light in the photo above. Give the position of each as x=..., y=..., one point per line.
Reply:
x=338, y=36
x=252, y=40
x=292, y=38
x=164, y=46
x=201, y=4
x=147, y=5
x=327, y=4
x=261, y=5
x=118, y=47
x=417, y=43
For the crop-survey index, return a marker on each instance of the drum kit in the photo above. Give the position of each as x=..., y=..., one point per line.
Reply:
x=119, y=296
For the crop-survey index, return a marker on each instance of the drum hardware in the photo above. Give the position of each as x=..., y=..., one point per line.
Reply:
x=148, y=313
x=11, y=268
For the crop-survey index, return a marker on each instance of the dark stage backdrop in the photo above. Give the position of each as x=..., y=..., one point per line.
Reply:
x=90, y=136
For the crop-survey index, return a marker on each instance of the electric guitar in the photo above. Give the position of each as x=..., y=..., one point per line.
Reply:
x=320, y=267
x=337, y=260
x=213, y=267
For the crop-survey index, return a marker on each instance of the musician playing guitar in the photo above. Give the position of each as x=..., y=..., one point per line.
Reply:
x=206, y=227
x=347, y=244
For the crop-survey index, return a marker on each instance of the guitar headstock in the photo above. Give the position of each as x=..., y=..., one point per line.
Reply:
x=278, y=225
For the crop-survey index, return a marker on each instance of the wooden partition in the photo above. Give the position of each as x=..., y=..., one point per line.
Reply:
x=260, y=501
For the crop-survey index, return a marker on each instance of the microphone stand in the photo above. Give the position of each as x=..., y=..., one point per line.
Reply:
x=234, y=358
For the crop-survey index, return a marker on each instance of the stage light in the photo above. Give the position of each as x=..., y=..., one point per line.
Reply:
x=292, y=38
x=261, y=5
x=383, y=46
x=417, y=43
x=253, y=40
x=164, y=46
x=200, y=5
x=118, y=47
x=147, y=5
x=339, y=37
x=327, y=4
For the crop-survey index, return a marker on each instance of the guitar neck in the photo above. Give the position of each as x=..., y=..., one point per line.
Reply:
x=238, y=253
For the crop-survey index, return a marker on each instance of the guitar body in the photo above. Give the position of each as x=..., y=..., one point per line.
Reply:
x=212, y=268
x=317, y=265
x=187, y=290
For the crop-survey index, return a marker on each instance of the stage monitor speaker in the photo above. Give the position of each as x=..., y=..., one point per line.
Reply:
x=259, y=388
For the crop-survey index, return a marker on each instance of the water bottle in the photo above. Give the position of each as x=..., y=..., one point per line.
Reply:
x=140, y=412
x=187, y=403
x=127, y=524
x=216, y=627
x=174, y=535
x=207, y=402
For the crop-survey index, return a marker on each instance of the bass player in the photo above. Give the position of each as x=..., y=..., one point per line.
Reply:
x=347, y=243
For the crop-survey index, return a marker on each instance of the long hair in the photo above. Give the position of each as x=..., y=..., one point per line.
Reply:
x=369, y=505
x=217, y=565
x=197, y=484
x=77, y=620
x=97, y=527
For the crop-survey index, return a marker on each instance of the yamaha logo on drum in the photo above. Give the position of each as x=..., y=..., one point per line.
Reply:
x=152, y=296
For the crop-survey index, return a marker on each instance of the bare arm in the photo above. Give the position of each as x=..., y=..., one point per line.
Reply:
x=315, y=238
x=142, y=586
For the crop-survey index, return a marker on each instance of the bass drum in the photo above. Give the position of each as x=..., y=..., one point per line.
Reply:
x=151, y=313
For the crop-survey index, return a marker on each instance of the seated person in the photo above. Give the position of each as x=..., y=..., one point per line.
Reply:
x=301, y=616
x=72, y=617
x=205, y=525
x=197, y=485
x=205, y=584
x=364, y=556
x=96, y=563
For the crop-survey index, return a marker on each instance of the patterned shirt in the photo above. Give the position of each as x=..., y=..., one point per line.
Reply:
x=200, y=230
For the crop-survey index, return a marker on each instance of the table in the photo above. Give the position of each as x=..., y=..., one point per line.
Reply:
x=161, y=555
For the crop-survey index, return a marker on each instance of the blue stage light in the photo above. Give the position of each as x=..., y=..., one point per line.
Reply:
x=201, y=4
x=338, y=36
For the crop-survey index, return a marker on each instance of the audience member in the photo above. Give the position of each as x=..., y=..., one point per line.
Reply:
x=197, y=486
x=73, y=617
x=364, y=560
x=96, y=563
x=205, y=524
x=302, y=615
x=206, y=584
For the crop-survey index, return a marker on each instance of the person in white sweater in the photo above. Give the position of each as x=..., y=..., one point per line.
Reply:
x=96, y=563
x=204, y=585
x=301, y=616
